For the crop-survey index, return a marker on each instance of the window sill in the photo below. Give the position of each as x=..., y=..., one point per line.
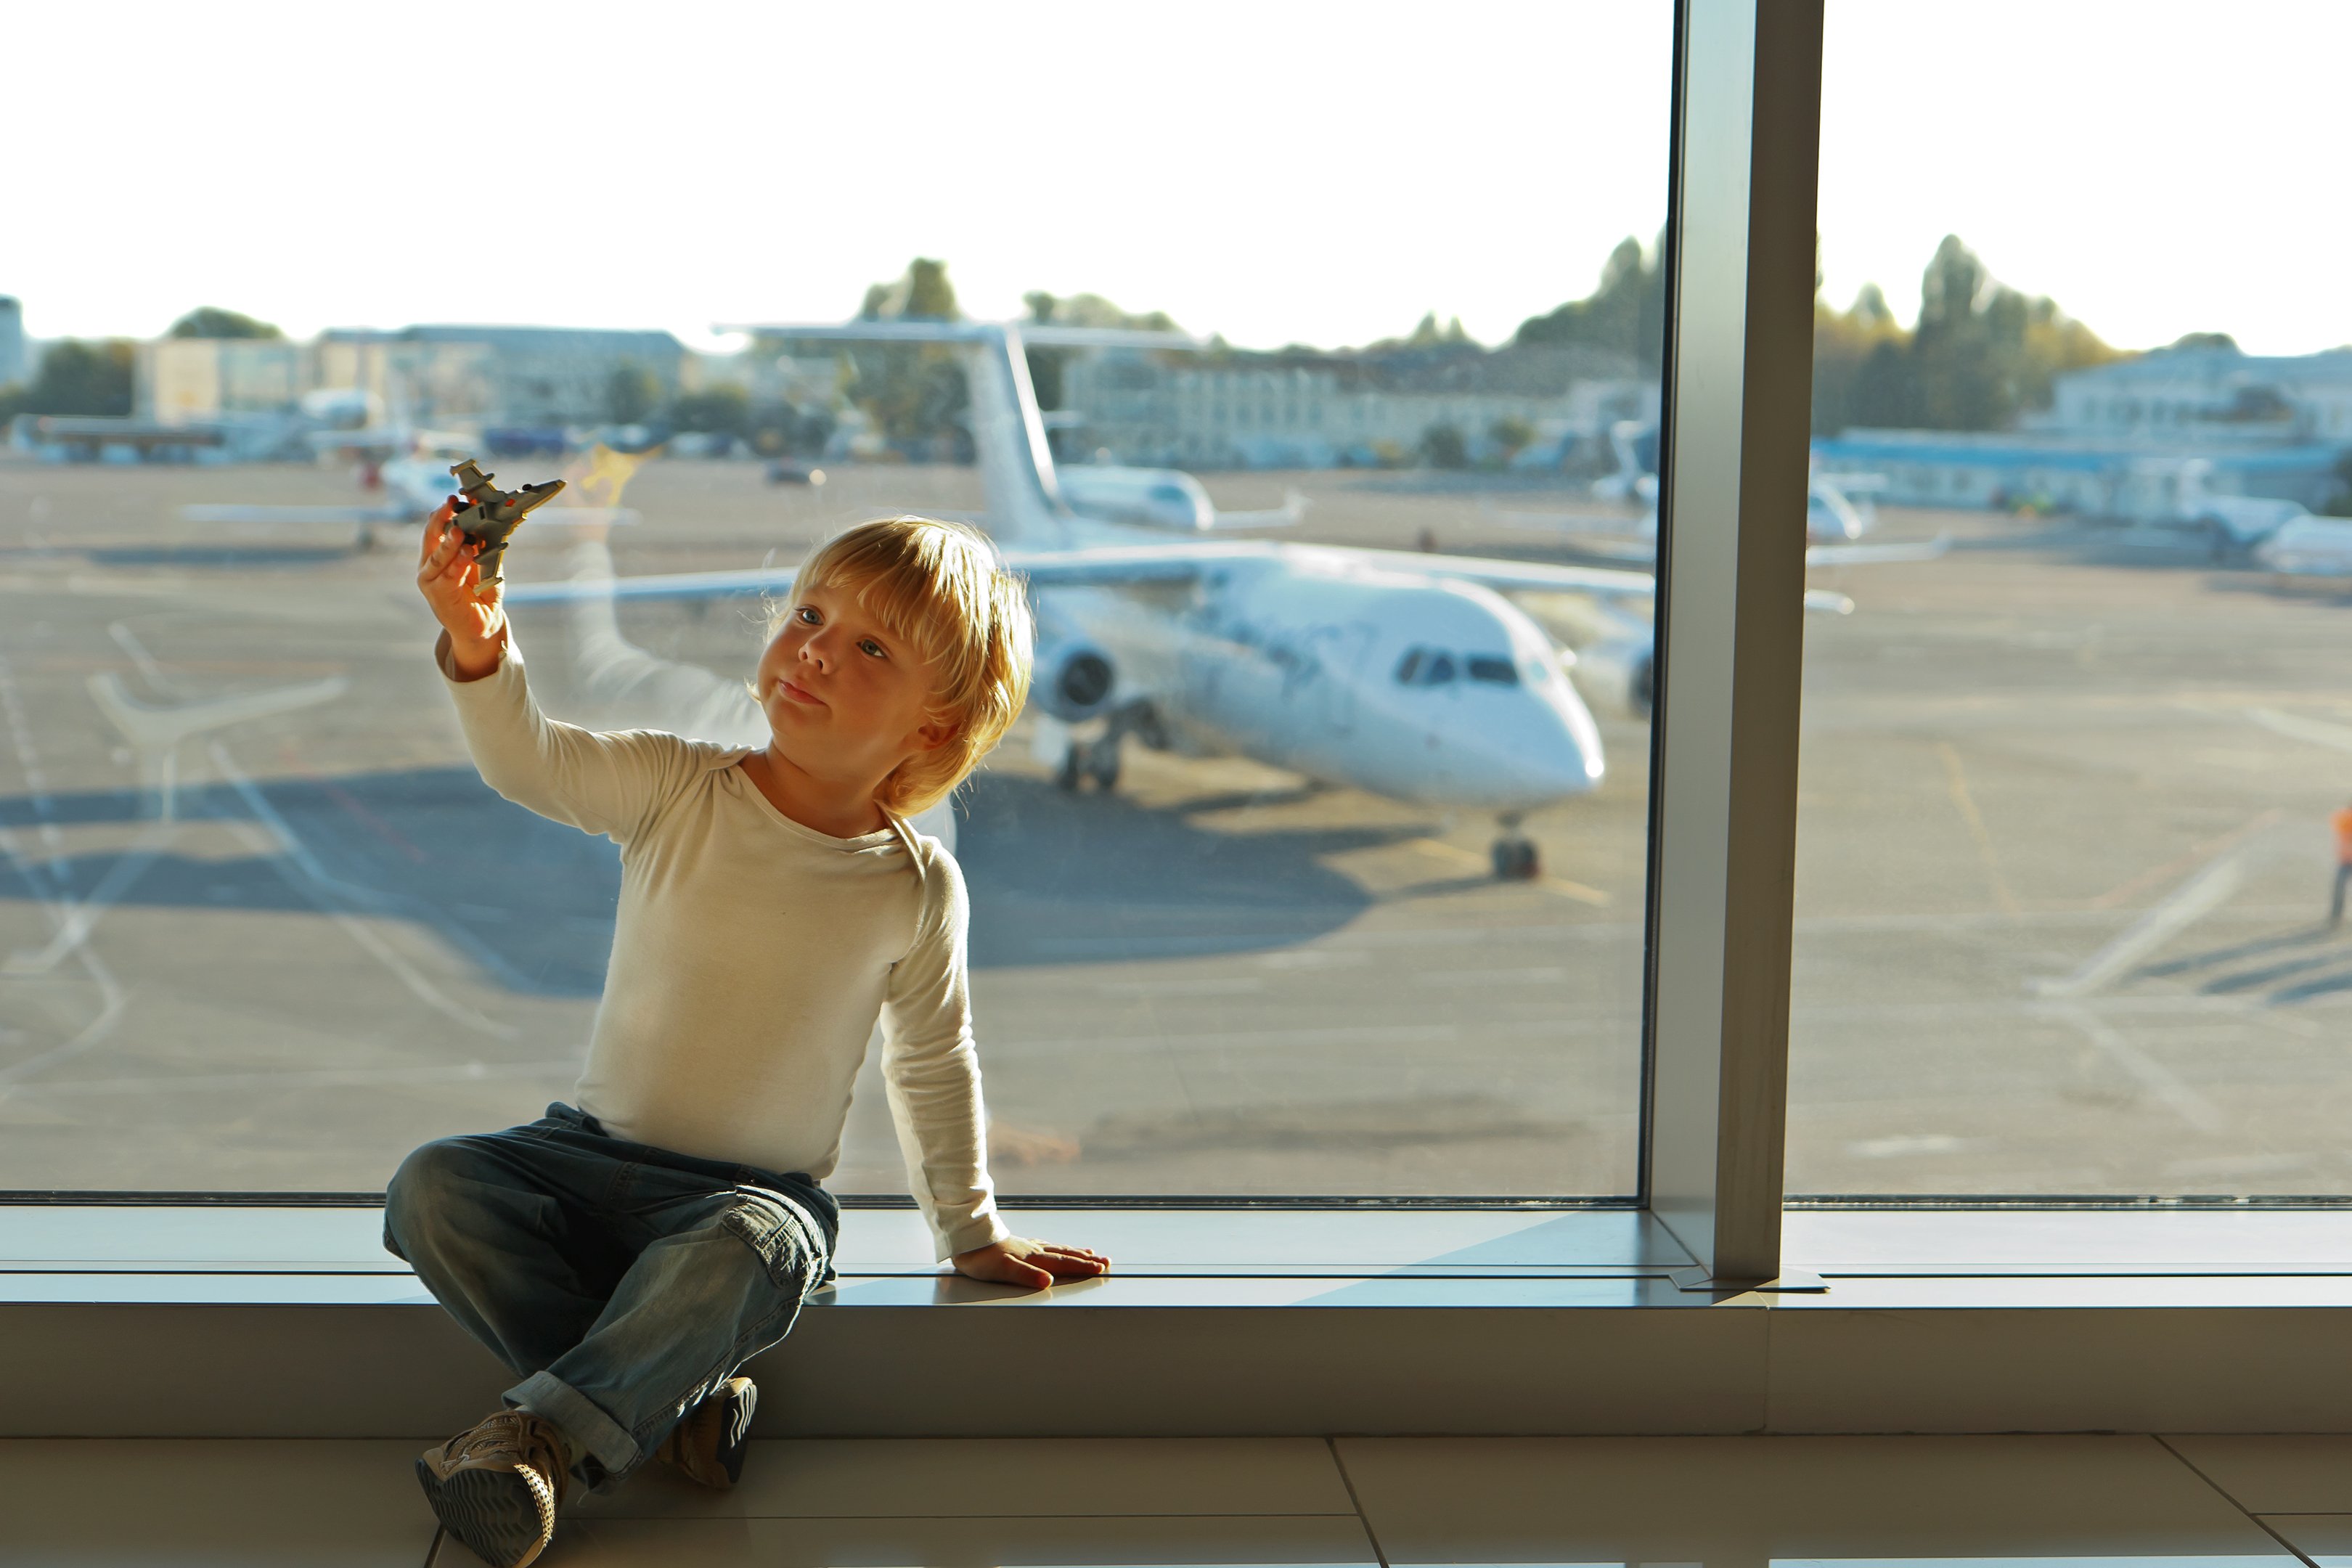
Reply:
x=289, y=1323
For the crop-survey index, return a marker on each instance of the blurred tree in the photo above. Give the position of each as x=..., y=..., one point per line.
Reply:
x=1078, y=310
x=914, y=393
x=632, y=393
x=721, y=410
x=1627, y=312
x=1982, y=355
x=2338, y=504
x=212, y=321
x=779, y=429
x=78, y=377
x=1443, y=447
x=1512, y=433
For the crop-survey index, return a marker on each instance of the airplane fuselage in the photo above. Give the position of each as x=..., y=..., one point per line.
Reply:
x=1436, y=692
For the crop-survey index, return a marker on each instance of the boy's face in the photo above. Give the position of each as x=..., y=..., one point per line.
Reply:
x=846, y=701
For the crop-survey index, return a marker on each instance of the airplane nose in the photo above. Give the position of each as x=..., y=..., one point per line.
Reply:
x=1550, y=751
x=1567, y=759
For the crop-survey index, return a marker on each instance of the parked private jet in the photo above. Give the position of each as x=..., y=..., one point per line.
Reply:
x=1402, y=674
x=1839, y=510
x=1165, y=498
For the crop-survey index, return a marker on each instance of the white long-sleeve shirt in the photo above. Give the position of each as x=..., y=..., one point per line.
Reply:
x=751, y=956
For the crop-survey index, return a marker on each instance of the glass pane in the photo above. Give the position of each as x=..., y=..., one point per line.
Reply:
x=1308, y=872
x=2073, y=791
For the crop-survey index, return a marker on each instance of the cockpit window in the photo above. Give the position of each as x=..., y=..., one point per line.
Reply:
x=1486, y=667
x=1425, y=667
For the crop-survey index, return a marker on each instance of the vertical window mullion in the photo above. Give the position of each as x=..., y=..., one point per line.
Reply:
x=1729, y=634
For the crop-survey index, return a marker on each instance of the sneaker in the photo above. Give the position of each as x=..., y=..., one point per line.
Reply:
x=708, y=1444
x=496, y=1486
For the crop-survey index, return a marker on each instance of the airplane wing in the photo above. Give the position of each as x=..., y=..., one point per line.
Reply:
x=1875, y=554
x=347, y=515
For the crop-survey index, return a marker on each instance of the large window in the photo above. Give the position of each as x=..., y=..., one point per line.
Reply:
x=2067, y=825
x=1306, y=874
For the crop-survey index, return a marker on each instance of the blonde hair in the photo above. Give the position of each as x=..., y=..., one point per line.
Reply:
x=937, y=586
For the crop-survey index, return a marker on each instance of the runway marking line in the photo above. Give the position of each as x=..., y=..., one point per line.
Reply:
x=1965, y=804
x=1560, y=885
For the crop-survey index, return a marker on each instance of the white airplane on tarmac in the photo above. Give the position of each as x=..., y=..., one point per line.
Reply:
x=1168, y=498
x=1402, y=674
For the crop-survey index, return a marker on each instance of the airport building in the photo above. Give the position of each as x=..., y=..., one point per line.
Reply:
x=2142, y=438
x=2211, y=396
x=187, y=381
x=498, y=375
x=1326, y=410
x=429, y=374
x=2097, y=477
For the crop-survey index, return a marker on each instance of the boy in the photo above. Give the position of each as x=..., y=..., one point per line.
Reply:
x=626, y=1257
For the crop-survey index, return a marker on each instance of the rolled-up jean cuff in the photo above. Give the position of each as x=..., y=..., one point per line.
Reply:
x=542, y=1394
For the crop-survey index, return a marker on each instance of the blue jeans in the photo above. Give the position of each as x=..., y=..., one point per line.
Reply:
x=622, y=1283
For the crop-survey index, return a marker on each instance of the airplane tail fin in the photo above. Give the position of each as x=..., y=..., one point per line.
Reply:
x=1008, y=432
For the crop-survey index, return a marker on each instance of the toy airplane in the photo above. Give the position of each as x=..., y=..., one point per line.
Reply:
x=494, y=514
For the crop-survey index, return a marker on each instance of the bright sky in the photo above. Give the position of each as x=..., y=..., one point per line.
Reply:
x=1277, y=172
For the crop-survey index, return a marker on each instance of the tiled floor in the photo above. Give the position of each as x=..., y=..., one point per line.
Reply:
x=1654, y=1500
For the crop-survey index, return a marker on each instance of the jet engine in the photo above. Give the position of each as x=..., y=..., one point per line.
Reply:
x=1619, y=673
x=1072, y=679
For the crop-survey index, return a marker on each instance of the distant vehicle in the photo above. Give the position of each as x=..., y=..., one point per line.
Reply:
x=1163, y=498
x=792, y=471
x=526, y=441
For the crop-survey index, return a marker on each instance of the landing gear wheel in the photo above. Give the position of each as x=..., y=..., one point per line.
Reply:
x=1516, y=860
x=1073, y=767
x=1102, y=764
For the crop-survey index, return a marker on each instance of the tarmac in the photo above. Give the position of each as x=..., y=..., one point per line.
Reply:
x=2063, y=857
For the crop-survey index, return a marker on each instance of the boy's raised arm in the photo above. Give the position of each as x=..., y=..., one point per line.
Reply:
x=607, y=783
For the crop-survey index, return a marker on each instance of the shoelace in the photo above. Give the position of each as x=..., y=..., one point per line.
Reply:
x=512, y=1434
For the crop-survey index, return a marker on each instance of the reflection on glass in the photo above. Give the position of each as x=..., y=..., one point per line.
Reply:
x=1317, y=865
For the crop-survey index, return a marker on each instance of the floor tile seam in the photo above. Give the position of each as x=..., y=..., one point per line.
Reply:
x=1363, y=1520
x=891, y=1518
x=2257, y=1521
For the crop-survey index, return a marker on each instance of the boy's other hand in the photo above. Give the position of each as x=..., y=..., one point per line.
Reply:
x=450, y=577
x=1017, y=1260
